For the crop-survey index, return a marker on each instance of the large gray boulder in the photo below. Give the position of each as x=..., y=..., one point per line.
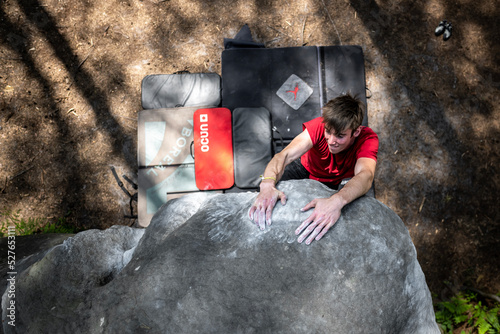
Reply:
x=203, y=267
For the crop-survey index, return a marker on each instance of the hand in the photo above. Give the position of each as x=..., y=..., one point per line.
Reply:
x=262, y=208
x=325, y=215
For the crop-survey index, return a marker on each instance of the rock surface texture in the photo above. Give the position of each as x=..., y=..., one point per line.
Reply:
x=203, y=267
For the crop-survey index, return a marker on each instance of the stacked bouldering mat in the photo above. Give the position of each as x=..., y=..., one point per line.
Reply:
x=180, y=90
x=166, y=134
x=166, y=166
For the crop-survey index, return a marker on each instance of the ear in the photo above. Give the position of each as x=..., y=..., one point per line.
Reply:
x=357, y=131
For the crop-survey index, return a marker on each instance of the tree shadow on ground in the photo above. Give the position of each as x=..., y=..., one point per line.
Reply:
x=437, y=124
x=19, y=39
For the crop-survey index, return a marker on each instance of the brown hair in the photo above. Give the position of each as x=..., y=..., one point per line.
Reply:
x=342, y=113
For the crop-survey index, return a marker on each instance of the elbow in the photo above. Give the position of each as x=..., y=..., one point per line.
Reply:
x=371, y=177
x=368, y=177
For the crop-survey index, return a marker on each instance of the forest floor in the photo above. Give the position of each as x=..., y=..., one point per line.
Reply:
x=70, y=80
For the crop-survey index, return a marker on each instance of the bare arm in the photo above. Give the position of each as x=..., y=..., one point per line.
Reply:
x=262, y=208
x=299, y=145
x=364, y=172
x=327, y=210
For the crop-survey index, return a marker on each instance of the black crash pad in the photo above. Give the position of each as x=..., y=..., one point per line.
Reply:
x=292, y=83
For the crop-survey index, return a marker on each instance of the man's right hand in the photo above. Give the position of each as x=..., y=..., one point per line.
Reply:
x=261, y=211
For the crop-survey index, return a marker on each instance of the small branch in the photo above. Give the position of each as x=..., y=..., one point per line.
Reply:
x=84, y=60
x=484, y=294
x=279, y=31
x=303, y=28
x=331, y=20
x=421, y=205
x=5, y=186
x=72, y=110
x=21, y=173
x=92, y=48
x=35, y=156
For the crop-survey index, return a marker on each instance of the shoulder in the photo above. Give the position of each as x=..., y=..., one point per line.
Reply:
x=367, y=144
x=315, y=128
x=315, y=122
x=368, y=134
x=366, y=131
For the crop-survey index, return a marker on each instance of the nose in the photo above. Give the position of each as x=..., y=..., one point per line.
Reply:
x=331, y=140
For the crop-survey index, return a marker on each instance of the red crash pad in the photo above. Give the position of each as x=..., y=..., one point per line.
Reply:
x=213, y=149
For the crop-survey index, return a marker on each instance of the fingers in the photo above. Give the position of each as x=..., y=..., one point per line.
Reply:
x=269, y=213
x=261, y=219
x=318, y=233
x=327, y=227
x=313, y=234
x=260, y=213
x=309, y=205
x=316, y=228
x=312, y=230
x=304, y=224
x=252, y=211
x=282, y=197
x=262, y=209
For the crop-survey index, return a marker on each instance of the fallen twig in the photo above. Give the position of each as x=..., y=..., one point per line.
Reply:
x=92, y=48
x=5, y=186
x=281, y=32
x=21, y=173
x=72, y=110
x=35, y=156
x=303, y=28
x=6, y=119
x=331, y=20
x=84, y=60
x=421, y=205
x=484, y=294
x=273, y=40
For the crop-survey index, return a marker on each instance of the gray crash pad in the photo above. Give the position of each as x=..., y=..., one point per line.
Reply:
x=203, y=267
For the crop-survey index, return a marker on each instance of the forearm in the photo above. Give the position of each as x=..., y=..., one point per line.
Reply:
x=328, y=210
x=261, y=210
x=275, y=168
x=356, y=187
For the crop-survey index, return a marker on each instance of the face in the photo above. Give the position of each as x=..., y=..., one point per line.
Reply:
x=339, y=142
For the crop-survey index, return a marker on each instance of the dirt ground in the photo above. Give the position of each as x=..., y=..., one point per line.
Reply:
x=70, y=76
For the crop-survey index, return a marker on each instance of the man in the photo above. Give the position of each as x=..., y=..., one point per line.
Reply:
x=331, y=148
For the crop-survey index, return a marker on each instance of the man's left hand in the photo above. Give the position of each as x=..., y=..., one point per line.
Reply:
x=325, y=215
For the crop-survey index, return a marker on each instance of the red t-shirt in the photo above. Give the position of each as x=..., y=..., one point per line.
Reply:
x=333, y=168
